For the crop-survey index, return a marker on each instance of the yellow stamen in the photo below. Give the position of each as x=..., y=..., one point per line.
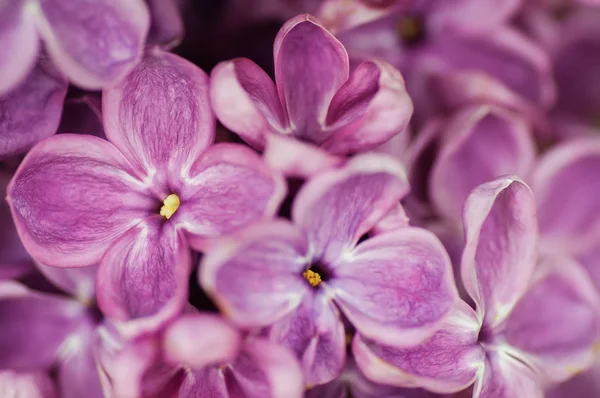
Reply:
x=312, y=277
x=170, y=206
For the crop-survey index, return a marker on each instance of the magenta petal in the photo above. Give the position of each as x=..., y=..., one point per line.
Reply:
x=315, y=333
x=26, y=385
x=31, y=111
x=310, y=66
x=368, y=110
x=143, y=278
x=447, y=362
x=208, y=382
x=505, y=377
x=256, y=275
x=71, y=197
x=229, y=187
x=395, y=288
x=198, y=340
x=77, y=282
x=246, y=101
x=265, y=370
x=337, y=207
x=167, y=23
x=19, y=42
x=14, y=259
x=159, y=116
x=501, y=246
x=480, y=143
x=78, y=372
x=568, y=213
x=540, y=325
x=94, y=42
x=471, y=15
x=35, y=328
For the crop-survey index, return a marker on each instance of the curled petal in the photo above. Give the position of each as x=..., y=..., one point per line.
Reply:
x=159, y=116
x=568, y=213
x=339, y=15
x=71, y=197
x=36, y=328
x=310, y=66
x=395, y=288
x=479, y=144
x=368, y=110
x=540, y=325
x=199, y=340
x=505, y=377
x=500, y=252
x=31, y=111
x=19, y=42
x=245, y=100
x=315, y=333
x=256, y=276
x=230, y=187
x=447, y=362
x=337, y=207
x=94, y=42
x=143, y=278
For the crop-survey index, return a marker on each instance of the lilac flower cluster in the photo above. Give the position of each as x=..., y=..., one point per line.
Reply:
x=400, y=202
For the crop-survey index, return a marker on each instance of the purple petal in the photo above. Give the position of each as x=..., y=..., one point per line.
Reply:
x=505, y=377
x=77, y=282
x=310, y=66
x=337, y=207
x=289, y=156
x=14, y=259
x=368, y=110
x=94, y=42
x=245, y=100
x=143, y=278
x=167, y=24
x=26, y=385
x=256, y=275
x=159, y=116
x=471, y=15
x=540, y=325
x=479, y=144
x=501, y=246
x=447, y=362
x=31, y=111
x=395, y=288
x=339, y=15
x=315, y=333
x=71, y=197
x=19, y=42
x=568, y=213
x=199, y=340
x=78, y=372
x=265, y=370
x=584, y=385
x=35, y=328
x=204, y=383
x=229, y=187
x=395, y=219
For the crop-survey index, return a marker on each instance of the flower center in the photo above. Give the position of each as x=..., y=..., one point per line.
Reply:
x=312, y=277
x=411, y=29
x=170, y=206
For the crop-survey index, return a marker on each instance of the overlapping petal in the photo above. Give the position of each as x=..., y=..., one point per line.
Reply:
x=94, y=42
x=256, y=277
x=337, y=207
x=500, y=252
x=143, y=278
x=160, y=118
x=505, y=377
x=28, y=385
x=31, y=111
x=447, y=362
x=479, y=144
x=395, y=288
x=71, y=197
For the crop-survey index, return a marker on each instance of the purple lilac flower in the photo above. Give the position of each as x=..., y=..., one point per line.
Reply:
x=426, y=39
x=41, y=330
x=93, y=42
x=315, y=98
x=520, y=336
x=31, y=111
x=296, y=277
x=137, y=202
